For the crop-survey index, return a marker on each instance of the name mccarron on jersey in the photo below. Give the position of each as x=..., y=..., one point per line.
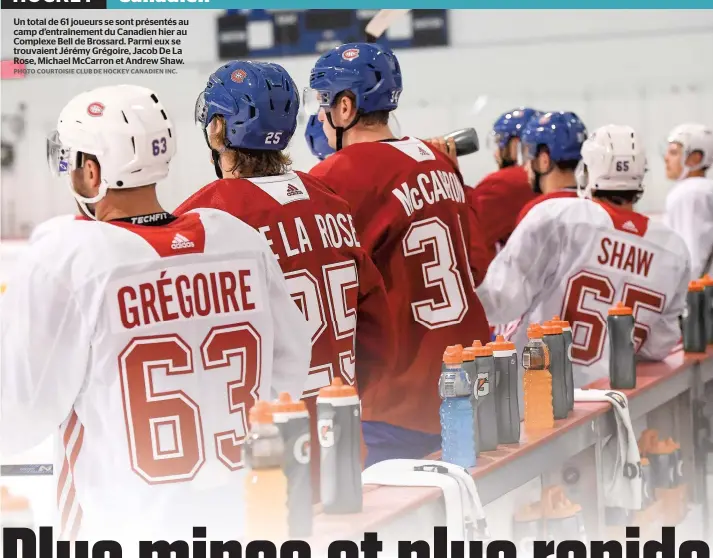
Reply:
x=432, y=188
x=184, y=292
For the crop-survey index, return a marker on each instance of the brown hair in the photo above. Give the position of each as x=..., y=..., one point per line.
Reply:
x=376, y=118
x=247, y=162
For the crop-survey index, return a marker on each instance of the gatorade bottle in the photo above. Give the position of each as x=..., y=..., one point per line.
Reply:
x=708, y=299
x=457, y=433
x=339, y=426
x=292, y=419
x=553, y=338
x=647, y=484
x=265, y=482
x=568, y=376
x=487, y=416
x=15, y=511
x=661, y=458
x=527, y=528
x=562, y=519
x=537, y=381
x=506, y=400
x=622, y=351
x=694, y=333
x=468, y=365
x=676, y=461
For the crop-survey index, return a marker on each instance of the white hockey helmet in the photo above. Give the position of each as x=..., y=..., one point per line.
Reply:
x=692, y=138
x=613, y=159
x=125, y=127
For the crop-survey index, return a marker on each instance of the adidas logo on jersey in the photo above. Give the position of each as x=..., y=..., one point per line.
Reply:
x=422, y=151
x=180, y=242
x=293, y=190
x=630, y=226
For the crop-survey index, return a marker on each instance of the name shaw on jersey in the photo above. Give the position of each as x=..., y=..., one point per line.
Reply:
x=335, y=231
x=185, y=292
x=432, y=188
x=626, y=257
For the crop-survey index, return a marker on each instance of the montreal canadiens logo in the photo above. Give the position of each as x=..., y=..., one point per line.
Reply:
x=325, y=428
x=301, y=449
x=350, y=54
x=238, y=76
x=95, y=109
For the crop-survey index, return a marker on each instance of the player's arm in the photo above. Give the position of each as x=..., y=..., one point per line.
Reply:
x=293, y=345
x=692, y=218
x=375, y=341
x=44, y=355
x=523, y=269
x=665, y=333
x=480, y=252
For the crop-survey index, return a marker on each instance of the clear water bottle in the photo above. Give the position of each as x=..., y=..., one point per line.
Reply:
x=456, y=389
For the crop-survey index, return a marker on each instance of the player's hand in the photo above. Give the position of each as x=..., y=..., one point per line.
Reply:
x=447, y=147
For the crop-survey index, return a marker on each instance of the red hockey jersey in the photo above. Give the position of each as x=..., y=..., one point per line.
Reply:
x=497, y=200
x=330, y=276
x=411, y=215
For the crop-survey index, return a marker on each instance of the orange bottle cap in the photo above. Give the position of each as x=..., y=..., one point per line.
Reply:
x=337, y=389
x=644, y=461
x=480, y=350
x=707, y=280
x=534, y=331
x=557, y=321
x=501, y=345
x=12, y=503
x=468, y=354
x=261, y=413
x=453, y=354
x=695, y=285
x=620, y=310
x=285, y=404
x=551, y=329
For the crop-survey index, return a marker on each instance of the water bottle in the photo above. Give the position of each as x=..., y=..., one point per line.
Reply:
x=455, y=388
x=266, y=515
x=339, y=426
x=292, y=419
x=622, y=351
x=15, y=511
x=562, y=518
x=554, y=339
x=537, y=382
x=647, y=484
x=708, y=299
x=468, y=355
x=694, y=333
x=486, y=420
x=506, y=400
x=568, y=375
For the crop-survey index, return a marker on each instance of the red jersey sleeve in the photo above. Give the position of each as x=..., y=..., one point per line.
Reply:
x=498, y=200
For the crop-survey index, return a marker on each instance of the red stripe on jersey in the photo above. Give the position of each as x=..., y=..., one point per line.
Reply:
x=185, y=235
x=625, y=220
x=70, y=523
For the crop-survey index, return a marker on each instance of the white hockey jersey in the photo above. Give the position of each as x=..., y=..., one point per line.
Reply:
x=576, y=259
x=148, y=345
x=689, y=212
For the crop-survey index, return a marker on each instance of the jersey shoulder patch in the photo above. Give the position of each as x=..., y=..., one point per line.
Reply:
x=413, y=148
x=284, y=189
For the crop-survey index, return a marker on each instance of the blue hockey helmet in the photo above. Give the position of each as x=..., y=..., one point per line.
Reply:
x=369, y=71
x=562, y=133
x=510, y=125
x=316, y=140
x=258, y=100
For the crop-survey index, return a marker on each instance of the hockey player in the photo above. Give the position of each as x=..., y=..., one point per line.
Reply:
x=689, y=206
x=311, y=231
x=551, y=147
x=501, y=195
x=577, y=257
x=410, y=212
x=316, y=140
x=141, y=338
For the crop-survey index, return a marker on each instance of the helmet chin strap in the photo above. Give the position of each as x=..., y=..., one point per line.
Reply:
x=83, y=202
x=341, y=129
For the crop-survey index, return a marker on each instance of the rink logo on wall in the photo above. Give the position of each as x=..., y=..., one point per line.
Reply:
x=277, y=33
x=350, y=54
x=95, y=109
x=238, y=76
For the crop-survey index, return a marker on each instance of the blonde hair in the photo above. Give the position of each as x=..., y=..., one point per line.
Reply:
x=246, y=162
